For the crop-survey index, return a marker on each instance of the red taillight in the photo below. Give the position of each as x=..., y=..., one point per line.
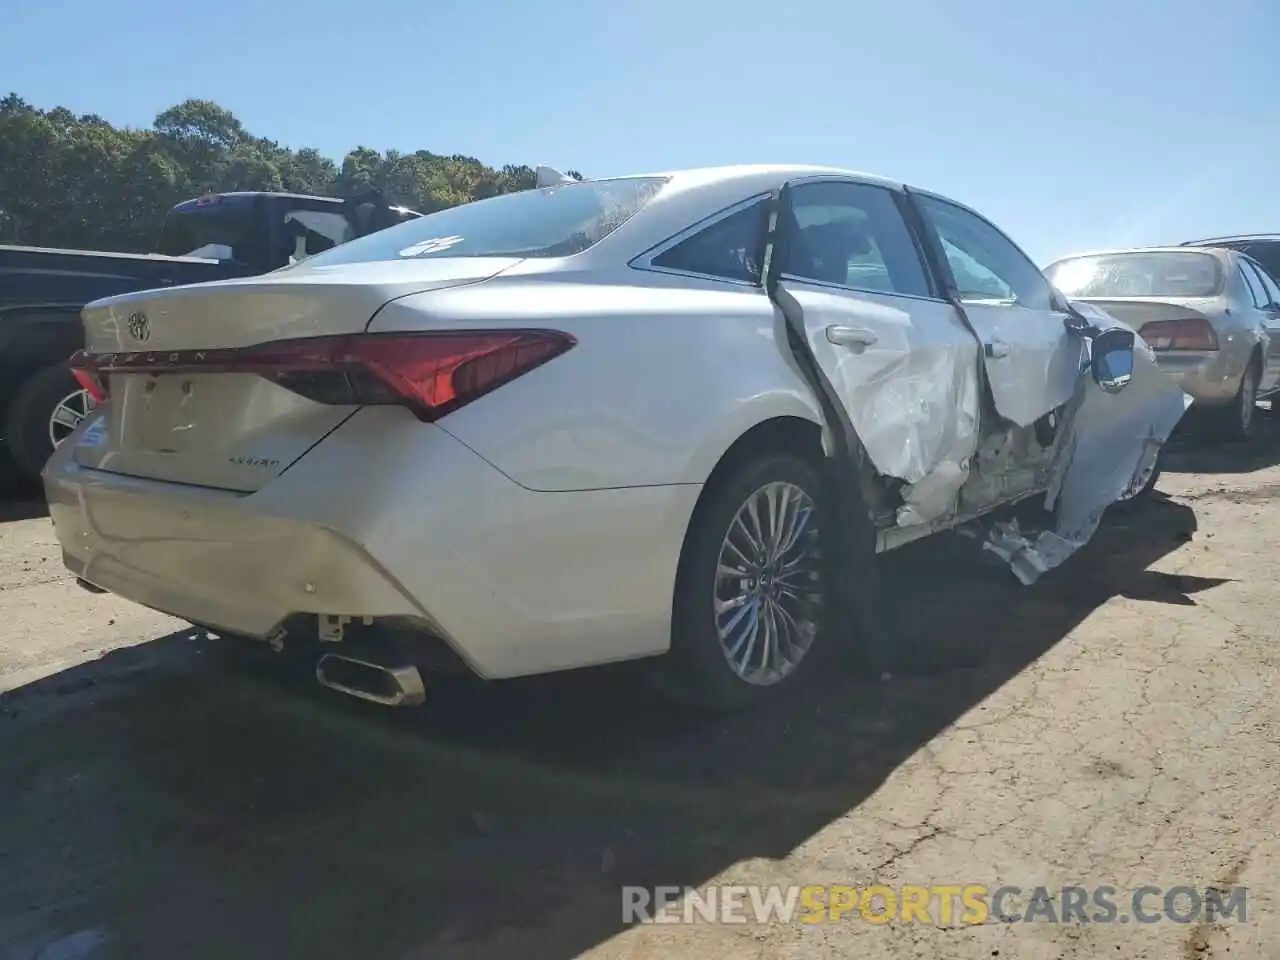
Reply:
x=431, y=373
x=88, y=380
x=1192, y=333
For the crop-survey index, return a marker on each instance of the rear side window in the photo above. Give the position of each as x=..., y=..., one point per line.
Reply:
x=852, y=235
x=1269, y=287
x=730, y=248
x=1253, y=282
x=555, y=221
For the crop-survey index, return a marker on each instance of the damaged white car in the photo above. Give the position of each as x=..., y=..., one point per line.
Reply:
x=670, y=416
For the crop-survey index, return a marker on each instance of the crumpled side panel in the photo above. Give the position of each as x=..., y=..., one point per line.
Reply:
x=918, y=420
x=907, y=371
x=1108, y=446
x=937, y=495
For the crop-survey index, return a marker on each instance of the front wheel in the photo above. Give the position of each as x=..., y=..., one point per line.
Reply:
x=750, y=617
x=1138, y=495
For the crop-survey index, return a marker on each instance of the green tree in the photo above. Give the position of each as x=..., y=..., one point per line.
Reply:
x=81, y=182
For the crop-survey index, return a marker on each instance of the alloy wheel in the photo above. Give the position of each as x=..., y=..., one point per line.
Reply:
x=768, y=584
x=68, y=414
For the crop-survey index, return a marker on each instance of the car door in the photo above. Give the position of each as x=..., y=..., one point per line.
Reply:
x=895, y=353
x=1266, y=299
x=1032, y=361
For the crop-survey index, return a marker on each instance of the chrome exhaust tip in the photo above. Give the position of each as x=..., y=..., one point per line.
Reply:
x=389, y=686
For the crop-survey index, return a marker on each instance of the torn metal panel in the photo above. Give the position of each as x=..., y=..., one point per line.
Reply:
x=935, y=496
x=915, y=403
x=906, y=373
x=1107, y=449
x=1032, y=361
x=1010, y=464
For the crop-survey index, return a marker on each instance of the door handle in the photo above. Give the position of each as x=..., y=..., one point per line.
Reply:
x=997, y=350
x=855, y=337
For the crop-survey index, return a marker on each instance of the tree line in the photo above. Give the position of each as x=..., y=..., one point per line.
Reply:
x=79, y=181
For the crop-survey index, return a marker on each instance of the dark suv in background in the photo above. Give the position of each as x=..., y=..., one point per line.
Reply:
x=1262, y=247
x=213, y=237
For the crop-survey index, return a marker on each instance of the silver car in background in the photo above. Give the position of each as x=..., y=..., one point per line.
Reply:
x=1211, y=315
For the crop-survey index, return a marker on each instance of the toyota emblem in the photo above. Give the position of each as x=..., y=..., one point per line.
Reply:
x=139, y=326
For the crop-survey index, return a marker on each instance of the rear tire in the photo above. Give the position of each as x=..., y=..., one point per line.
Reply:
x=1235, y=422
x=30, y=420
x=749, y=618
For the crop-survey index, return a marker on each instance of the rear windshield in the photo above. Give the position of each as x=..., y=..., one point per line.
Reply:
x=1171, y=273
x=216, y=232
x=550, y=222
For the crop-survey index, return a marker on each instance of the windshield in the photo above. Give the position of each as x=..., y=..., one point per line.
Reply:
x=552, y=222
x=1170, y=273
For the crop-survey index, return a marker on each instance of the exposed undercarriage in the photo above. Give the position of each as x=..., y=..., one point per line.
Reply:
x=1010, y=463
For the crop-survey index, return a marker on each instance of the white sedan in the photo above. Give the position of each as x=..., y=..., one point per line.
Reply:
x=670, y=416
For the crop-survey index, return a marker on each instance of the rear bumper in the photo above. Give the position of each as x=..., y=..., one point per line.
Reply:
x=1209, y=377
x=205, y=559
x=517, y=582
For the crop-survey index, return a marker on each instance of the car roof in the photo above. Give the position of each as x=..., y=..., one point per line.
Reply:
x=275, y=193
x=1235, y=238
x=694, y=194
x=771, y=172
x=216, y=198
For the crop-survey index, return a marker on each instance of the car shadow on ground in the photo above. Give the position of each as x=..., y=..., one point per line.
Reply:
x=1193, y=449
x=20, y=498
x=180, y=808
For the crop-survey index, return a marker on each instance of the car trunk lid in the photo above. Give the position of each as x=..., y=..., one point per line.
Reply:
x=1164, y=323
x=179, y=412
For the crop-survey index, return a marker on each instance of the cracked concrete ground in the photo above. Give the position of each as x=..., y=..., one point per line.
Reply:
x=160, y=797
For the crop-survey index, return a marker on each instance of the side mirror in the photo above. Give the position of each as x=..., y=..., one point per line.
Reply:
x=1077, y=324
x=1112, y=359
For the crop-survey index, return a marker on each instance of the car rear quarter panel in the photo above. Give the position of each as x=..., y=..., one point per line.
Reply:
x=665, y=377
x=391, y=517
x=1239, y=335
x=1213, y=378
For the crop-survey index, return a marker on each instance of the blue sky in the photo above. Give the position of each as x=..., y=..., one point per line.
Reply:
x=1071, y=124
